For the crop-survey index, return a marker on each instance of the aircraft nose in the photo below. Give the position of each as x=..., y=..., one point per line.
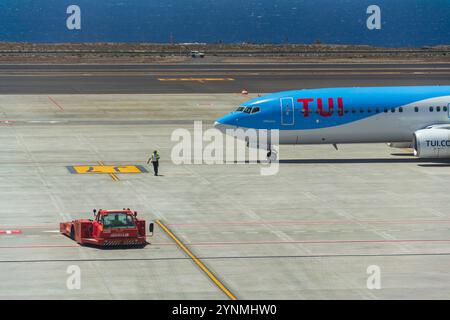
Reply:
x=227, y=122
x=221, y=126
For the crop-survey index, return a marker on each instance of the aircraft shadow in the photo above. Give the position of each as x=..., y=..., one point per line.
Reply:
x=426, y=162
x=402, y=154
x=431, y=165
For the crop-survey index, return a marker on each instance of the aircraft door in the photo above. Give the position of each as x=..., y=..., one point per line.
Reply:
x=287, y=111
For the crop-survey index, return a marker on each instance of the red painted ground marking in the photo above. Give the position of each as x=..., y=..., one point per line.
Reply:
x=281, y=222
x=38, y=246
x=42, y=226
x=7, y=122
x=56, y=103
x=312, y=222
x=10, y=231
x=319, y=242
x=252, y=243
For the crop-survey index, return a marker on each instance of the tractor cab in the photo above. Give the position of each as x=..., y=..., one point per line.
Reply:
x=122, y=223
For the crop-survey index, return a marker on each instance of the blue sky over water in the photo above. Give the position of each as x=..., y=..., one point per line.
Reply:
x=404, y=22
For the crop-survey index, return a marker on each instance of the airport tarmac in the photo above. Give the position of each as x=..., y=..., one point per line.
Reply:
x=212, y=78
x=309, y=232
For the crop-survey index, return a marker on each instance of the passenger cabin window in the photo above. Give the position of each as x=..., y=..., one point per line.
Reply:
x=377, y=110
x=445, y=109
x=416, y=109
x=392, y=110
x=438, y=109
x=385, y=110
x=400, y=109
x=431, y=109
x=255, y=109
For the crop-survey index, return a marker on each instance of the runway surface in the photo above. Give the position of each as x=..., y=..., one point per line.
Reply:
x=211, y=78
x=312, y=231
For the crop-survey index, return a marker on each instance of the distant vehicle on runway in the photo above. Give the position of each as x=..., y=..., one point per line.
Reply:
x=108, y=229
x=197, y=54
x=416, y=116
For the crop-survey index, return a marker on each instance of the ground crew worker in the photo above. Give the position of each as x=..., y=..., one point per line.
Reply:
x=154, y=158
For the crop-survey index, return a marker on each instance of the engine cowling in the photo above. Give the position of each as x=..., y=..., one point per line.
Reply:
x=432, y=143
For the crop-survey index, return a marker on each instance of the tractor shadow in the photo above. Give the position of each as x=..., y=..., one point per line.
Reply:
x=112, y=248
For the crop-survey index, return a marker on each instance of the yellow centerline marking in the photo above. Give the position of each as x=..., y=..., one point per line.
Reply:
x=112, y=175
x=196, y=79
x=198, y=262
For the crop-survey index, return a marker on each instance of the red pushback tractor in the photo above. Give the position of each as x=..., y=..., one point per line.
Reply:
x=108, y=229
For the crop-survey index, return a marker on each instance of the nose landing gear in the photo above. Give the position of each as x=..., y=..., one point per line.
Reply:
x=272, y=154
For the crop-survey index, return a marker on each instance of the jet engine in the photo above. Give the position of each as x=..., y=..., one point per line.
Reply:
x=432, y=143
x=399, y=145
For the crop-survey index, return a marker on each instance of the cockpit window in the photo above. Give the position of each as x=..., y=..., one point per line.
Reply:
x=248, y=109
x=255, y=109
x=239, y=109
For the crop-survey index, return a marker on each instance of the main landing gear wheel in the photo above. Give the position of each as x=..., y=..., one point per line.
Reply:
x=272, y=155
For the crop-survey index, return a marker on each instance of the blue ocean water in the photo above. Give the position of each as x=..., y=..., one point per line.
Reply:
x=404, y=22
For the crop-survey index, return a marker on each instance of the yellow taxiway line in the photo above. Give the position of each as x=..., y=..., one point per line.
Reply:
x=198, y=262
x=112, y=175
x=196, y=79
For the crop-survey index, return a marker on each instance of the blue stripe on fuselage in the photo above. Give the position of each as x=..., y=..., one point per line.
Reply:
x=371, y=97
